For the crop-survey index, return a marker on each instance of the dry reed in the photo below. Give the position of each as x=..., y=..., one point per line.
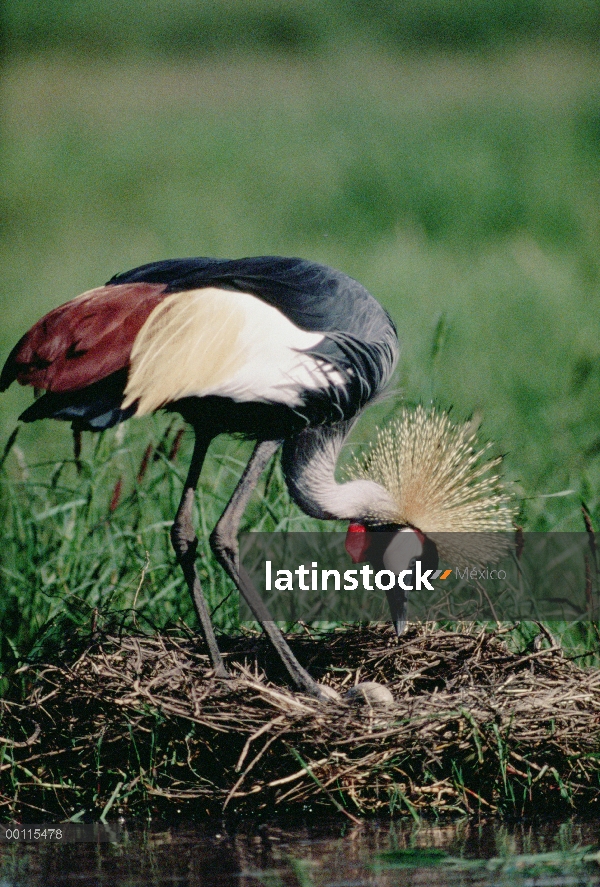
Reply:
x=135, y=724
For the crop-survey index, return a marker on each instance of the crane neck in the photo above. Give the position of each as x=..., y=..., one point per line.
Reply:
x=309, y=462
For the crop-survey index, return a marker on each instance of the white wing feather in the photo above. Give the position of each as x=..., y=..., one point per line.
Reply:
x=221, y=342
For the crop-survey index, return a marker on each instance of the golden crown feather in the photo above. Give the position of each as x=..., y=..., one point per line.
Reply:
x=443, y=482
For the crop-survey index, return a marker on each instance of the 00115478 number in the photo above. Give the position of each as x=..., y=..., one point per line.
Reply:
x=43, y=833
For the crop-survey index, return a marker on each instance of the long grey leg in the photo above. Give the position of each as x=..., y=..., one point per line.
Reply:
x=224, y=544
x=185, y=543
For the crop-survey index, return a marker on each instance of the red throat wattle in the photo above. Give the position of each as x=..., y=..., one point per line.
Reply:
x=357, y=543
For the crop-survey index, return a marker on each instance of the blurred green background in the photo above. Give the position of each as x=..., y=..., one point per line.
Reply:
x=444, y=152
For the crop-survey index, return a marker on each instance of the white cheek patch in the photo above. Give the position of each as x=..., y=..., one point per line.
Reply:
x=404, y=546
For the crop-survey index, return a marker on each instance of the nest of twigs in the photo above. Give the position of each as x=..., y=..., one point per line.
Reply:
x=136, y=724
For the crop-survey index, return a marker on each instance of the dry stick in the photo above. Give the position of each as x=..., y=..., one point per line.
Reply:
x=536, y=655
x=297, y=775
x=334, y=801
x=250, y=766
x=479, y=798
x=32, y=739
x=254, y=736
x=283, y=699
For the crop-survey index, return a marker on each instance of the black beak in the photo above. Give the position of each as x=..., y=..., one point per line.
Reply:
x=398, y=604
x=397, y=597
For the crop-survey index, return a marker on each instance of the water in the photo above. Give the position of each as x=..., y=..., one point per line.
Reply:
x=315, y=853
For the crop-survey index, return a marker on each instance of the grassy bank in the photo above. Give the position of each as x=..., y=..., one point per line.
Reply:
x=461, y=189
x=130, y=725
x=93, y=534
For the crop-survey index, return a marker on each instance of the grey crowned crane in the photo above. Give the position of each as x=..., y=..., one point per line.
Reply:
x=283, y=351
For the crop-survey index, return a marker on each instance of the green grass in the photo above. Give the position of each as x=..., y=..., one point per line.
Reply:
x=297, y=26
x=81, y=541
x=462, y=190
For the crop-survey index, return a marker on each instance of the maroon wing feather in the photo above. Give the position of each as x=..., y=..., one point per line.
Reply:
x=84, y=340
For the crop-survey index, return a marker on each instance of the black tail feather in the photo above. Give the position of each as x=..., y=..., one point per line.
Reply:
x=93, y=408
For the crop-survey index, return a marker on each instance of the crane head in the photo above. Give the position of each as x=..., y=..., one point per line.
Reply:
x=446, y=499
x=442, y=485
x=396, y=549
